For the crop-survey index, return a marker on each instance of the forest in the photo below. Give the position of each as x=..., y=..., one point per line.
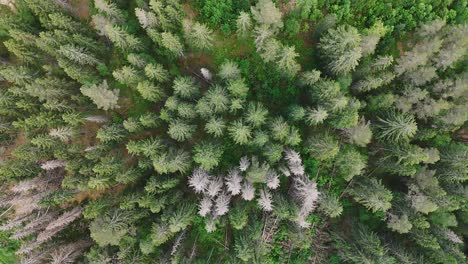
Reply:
x=233, y=131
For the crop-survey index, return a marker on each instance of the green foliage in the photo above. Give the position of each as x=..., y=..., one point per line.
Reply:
x=325, y=131
x=207, y=155
x=372, y=194
x=341, y=48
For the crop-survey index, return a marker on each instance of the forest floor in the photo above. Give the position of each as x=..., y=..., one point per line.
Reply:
x=82, y=8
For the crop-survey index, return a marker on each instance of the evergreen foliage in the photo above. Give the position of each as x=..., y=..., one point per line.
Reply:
x=168, y=131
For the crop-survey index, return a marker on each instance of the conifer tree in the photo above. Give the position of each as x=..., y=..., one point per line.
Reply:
x=180, y=130
x=397, y=126
x=244, y=23
x=207, y=155
x=121, y=38
x=101, y=95
x=341, y=48
x=267, y=14
x=198, y=35
x=150, y=91
x=372, y=194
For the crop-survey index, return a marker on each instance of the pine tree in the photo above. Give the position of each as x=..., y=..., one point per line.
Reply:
x=418, y=56
x=397, y=126
x=127, y=75
x=265, y=201
x=244, y=23
x=372, y=37
x=233, y=182
x=323, y=147
x=180, y=130
x=341, y=49
x=122, y=39
x=146, y=19
x=244, y=249
x=229, y=70
x=172, y=43
x=363, y=246
x=138, y=60
x=149, y=91
x=217, y=99
x=453, y=47
x=78, y=55
x=307, y=195
x=181, y=217
x=315, y=116
x=330, y=205
x=238, y=88
x=256, y=114
x=310, y=77
x=398, y=224
x=207, y=155
x=238, y=216
x=63, y=133
x=205, y=206
x=271, y=49
x=279, y=129
x=349, y=163
x=215, y=126
x=110, y=228
x=372, y=194
x=222, y=204
x=198, y=35
x=267, y=14
x=156, y=72
x=240, y=133
x=101, y=95
x=287, y=62
x=185, y=87
x=360, y=134
x=114, y=132
x=109, y=9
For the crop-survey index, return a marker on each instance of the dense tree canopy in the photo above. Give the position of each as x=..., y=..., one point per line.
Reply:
x=233, y=131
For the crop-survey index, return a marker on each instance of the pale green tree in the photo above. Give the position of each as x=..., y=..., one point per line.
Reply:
x=150, y=91
x=315, y=116
x=323, y=146
x=109, y=9
x=101, y=95
x=110, y=228
x=156, y=72
x=172, y=43
x=266, y=13
x=239, y=132
x=198, y=35
x=185, y=87
x=180, y=130
x=310, y=77
x=397, y=126
x=341, y=48
x=287, y=63
x=229, y=70
x=238, y=88
x=215, y=126
x=127, y=75
x=256, y=114
x=78, y=55
x=217, y=99
x=349, y=163
x=243, y=23
x=330, y=205
x=372, y=194
x=114, y=132
x=207, y=155
x=360, y=134
x=121, y=38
